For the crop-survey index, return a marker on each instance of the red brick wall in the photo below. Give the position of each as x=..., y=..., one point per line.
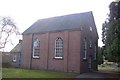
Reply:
x=26, y=50
x=9, y=59
x=72, y=57
x=55, y=64
x=90, y=35
x=74, y=51
x=14, y=64
x=41, y=63
x=71, y=51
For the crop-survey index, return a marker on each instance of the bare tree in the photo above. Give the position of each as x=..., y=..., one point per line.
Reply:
x=7, y=29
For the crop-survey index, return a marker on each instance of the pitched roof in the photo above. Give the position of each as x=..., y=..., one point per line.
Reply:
x=72, y=21
x=17, y=48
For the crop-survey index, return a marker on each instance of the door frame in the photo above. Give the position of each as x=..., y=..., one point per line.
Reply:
x=90, y=62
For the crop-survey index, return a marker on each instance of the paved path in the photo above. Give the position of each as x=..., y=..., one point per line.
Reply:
x=100, y=74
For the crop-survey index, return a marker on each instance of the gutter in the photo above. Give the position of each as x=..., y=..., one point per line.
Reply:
x=68, y=52
x=31, y=52
x=48, y=50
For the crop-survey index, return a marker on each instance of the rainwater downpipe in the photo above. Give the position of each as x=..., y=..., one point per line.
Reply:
x=31, y=51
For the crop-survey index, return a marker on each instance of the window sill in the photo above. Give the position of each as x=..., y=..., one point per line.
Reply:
x=84, y=59
x=14, y=61
x=58, y=58
x=36, y=57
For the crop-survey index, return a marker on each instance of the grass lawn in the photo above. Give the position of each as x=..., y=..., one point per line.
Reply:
x=108, y=68
x=25, y=73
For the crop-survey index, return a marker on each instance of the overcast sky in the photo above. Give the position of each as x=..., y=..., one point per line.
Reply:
x=26, y=12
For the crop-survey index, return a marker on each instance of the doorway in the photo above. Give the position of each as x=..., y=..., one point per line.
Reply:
x=90, y=63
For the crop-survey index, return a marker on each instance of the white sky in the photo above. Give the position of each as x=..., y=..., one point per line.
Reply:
x=26, y=12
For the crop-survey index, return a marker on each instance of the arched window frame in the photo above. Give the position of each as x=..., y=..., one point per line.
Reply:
x=59, y=48
x=85, y=49
x=36, y=48
x=95, y=52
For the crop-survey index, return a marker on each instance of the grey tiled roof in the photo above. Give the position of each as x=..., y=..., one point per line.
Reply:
x=17, y=48
x=66, y=22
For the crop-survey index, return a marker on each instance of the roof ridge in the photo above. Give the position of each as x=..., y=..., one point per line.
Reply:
x=64, y=15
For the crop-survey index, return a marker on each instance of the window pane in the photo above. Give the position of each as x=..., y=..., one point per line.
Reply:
x=95, y=52
x=84, y=49
x=36, y=47
x=59, y=47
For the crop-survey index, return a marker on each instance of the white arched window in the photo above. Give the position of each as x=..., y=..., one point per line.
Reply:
x=36, y=48
x=59, y=48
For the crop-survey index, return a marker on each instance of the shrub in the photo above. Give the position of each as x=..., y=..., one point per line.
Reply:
x=100, y=56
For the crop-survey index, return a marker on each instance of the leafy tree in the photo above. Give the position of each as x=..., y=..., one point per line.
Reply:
x=111, y=34
x=114, y=9
x=113, y=41
x=7, y=29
